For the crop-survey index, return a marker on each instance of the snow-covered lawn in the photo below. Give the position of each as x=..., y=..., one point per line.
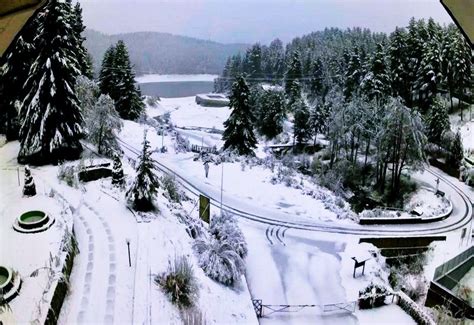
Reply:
x=25, y=253
x=184, y=112
x=426, y=201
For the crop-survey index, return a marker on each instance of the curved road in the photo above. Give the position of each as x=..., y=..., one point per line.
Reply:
x=460, y=216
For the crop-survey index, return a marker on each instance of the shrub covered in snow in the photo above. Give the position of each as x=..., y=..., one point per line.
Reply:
x=225, y=228
x=179, y=283
x=373, y=296
x=219, y=260
x=29, y=189
x=152, y=101
x=171, y=188
x=67, y=174
x=181, y=144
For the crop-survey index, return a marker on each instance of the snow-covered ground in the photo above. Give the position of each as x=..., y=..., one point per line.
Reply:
x=147, y=78
x=26, y=253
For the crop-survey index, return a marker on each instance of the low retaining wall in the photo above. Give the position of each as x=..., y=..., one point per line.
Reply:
x=404, y=220
x=63, y=286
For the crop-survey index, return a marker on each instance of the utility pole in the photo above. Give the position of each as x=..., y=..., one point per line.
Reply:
x=222, y=183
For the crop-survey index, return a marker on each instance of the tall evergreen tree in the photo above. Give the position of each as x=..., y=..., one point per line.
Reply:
x=271, y=113
x=456, y=152
x=50, y=115
x=274, y=65
x=376, y=83
x=253, y=63
x=437, y=121
x=238, y=133
x=126, y=95
x=107, y=74
x=78, y=27
x=293, y=76
x=29, y=188
x=399, y=65
x=354, y=74
x=301, y=123
x=146, y=183
x=13, y=75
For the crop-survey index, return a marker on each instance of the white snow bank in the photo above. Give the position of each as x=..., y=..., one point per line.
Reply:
x=148, y=78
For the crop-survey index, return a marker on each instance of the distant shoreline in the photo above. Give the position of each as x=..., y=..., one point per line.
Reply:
x=152, y=78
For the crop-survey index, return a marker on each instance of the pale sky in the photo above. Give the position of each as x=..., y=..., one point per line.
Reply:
x=249, y=21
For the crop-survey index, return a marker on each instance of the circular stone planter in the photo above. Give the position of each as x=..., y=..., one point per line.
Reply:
x=6, y=279
x=9, y=284
x=33, y=221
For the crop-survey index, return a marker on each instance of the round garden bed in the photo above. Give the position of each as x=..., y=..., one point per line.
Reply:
x=33, y=221
x=9, y=284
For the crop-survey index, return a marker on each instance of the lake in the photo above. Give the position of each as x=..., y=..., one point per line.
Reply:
x=172, y=86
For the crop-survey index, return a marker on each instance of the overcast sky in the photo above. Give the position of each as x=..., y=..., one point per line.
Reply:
x=249, y=21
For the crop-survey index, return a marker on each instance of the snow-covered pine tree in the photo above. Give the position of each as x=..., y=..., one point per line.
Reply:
x=128, y=97
x=301, y=125
x=50, y=114
x=293, y=76
x=319, y=113
x=238, y=133
x=354, y=74
x=399, y=65
x=146, y=183
x=253, y=63
x=456, y=152
x=102, y=124
x=118, y=177
x=376, y=82
x=271, y=113
x=437, y=121
x=78, y=27
x=107, y=74
x=274, y=65
x=29, y=188
x=13, y=74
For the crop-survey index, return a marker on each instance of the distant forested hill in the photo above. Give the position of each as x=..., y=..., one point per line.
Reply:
x=153, y=52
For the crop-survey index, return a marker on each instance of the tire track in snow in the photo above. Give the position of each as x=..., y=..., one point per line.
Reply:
x=84, y=302
x=111, y=277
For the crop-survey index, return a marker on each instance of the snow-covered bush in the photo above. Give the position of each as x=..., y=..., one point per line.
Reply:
x=225, y=228
x=118, y=177
x=219, y=260
x=179, y=283
x=181, y=144
x=152, y=101
x=171, y=188
x=29, y=189
x=67, y=174
x=373, y=296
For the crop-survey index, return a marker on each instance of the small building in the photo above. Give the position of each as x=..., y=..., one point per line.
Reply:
x=212, y=100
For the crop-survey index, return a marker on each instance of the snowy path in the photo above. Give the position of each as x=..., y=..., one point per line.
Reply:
x=103, y=282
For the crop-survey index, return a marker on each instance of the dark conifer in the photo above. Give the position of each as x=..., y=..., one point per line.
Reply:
x=50, y=114
x=29, y=189
x=238, y=133
x=146, y=183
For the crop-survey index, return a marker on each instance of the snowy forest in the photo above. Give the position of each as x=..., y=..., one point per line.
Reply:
x=381, y=101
